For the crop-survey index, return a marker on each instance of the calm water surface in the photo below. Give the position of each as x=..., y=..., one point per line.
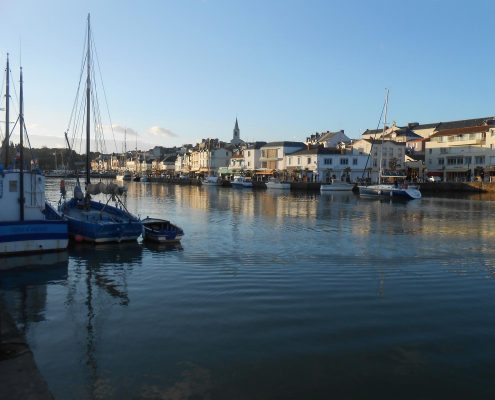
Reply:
x=271, y=296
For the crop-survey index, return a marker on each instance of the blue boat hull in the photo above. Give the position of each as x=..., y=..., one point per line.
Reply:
x=33, y=236
x=100, y=223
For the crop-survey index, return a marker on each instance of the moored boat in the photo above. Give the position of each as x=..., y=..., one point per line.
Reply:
x=336, y=186
x=161, y=231
x=384, y=189
x=27, y=221
x=126, y=176
x=211, y=181
x=89, y=220
x=242, y=182
x=274, y=183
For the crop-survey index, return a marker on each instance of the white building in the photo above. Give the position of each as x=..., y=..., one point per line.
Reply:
x=391, y=153
x=273, y=154
x=328, y=139
x=462, y=153
x=322, y=164
x=252, y=156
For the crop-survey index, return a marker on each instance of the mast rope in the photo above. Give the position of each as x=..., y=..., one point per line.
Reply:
x=373, y=140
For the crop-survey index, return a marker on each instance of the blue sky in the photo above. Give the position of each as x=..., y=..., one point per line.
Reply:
x=178, y=71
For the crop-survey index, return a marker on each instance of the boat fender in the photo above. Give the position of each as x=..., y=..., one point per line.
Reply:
x=62, y=188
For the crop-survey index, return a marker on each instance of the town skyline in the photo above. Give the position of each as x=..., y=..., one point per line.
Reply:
x=178, y=72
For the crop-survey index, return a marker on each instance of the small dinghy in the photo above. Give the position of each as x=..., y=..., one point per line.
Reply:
x=161, y=231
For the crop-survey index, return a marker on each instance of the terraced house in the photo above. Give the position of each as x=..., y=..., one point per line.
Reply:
x=462, y=150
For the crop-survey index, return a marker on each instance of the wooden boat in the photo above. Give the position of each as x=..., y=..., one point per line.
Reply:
x=161, y=231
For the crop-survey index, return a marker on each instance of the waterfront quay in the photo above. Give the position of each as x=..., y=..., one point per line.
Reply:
x=426, y=187
x=270, y=295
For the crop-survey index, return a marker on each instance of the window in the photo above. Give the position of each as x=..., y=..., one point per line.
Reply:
x=263, y=153
x=479, y=159
x=375, y=163
x=468, y=160
x=249, y=153
x=226, y=154
x=455, y=160
x=441, y=161
x=354, y=161
x=249, y=163
x=344, y=161
x=12, y=186
x=429, y=150
x=308, y=161
x=298, y=160
x=327, y=161
x=290, y=160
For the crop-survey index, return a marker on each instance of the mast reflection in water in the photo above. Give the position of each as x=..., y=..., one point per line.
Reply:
x=276, y=295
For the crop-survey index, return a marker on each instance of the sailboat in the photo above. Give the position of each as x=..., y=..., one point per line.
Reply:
x=90, y=220
x=27, y=222
x=125, y=175
x=383, y=190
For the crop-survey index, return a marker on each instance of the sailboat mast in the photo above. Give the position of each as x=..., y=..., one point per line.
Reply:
x=383, y=134
x=7, y=122
x=88, y=105
x=21, y=151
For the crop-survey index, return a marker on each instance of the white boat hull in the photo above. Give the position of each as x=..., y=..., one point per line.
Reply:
x=278, y=185
x=389, y=191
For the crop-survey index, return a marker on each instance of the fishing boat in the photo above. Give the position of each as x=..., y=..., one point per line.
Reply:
x=161, y=231
x=89, y=220
x=28, y=223
x=274, y=183
x=337, y=186
x=386, y=190
x=242, y=182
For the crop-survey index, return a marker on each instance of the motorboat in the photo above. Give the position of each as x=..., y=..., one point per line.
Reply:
x=242, y=182
x=211, y=181
x=274, y=183
x=126, y=176
x=161, y=231
x=337, y=186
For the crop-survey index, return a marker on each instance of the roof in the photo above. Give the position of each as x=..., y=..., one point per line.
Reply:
x=285, y=144
x=460, y=131
x=317, y=150
x=256, y=145
x=406, y=132
x=372, y=131
x=463, y=123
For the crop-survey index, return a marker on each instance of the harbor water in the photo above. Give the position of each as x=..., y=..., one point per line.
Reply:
x=269, y=296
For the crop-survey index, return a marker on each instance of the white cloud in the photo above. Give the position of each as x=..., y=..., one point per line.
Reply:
x=123, y=129
x=163, y=132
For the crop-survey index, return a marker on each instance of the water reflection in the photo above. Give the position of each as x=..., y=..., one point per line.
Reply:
x=24, y=284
